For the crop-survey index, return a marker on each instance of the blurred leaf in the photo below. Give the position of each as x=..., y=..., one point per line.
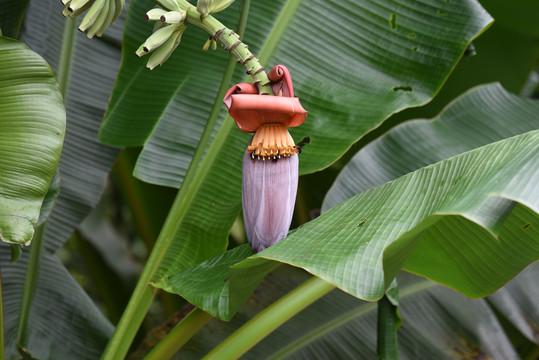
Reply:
x=32, y=130
x=12, y=16
x=438, y=324
x=84, y=166
x=85, y=162
x=350, y=84
x=517, y=15
x=64, y=323
x=450, y=222
x=518, y=302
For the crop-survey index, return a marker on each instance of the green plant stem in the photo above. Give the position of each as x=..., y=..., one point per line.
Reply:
x=64, y=66
x=2, y=347
x=142, y=296
x=231, y=42
x=32, y=269
x=29, y=286
x=179, y=335
x=388, y=324
x=270, y=319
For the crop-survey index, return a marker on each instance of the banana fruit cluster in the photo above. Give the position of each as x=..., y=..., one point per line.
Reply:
x=100, y=14
x=170, y=17
x=170, y=25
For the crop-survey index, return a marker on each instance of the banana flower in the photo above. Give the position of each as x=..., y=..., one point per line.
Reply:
x=270, y=163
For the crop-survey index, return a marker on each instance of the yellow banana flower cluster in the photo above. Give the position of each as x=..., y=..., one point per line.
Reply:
x=99, y=16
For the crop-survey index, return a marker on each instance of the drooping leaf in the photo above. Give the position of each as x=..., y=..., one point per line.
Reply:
x=32, y=126
x=64, y=322
x=467, y=222
x=85, y=162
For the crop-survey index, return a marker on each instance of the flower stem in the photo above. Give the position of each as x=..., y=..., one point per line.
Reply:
x=179, y=335
x=269, y=319
x=231, y=42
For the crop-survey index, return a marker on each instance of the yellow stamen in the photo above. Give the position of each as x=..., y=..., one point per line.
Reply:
x=272, y=141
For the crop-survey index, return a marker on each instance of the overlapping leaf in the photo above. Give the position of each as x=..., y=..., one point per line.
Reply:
x=32, y=126
x=468, y=222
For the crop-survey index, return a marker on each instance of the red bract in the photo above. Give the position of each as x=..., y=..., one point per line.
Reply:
x=250, y=110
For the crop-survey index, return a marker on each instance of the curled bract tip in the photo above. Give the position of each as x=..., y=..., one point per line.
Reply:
x=250, y=110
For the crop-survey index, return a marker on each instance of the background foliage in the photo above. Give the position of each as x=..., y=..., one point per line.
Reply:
x=372, y=66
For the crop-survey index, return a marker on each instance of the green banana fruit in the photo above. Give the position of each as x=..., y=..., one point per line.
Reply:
x=159, y=37
x=162, y=54
x=155, y=14
x=173, y=17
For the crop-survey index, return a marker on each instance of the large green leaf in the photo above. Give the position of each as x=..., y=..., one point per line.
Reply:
x=64, y=322
x=32, y=126
x=348, y=83
x=484, y=115
x=85, y=162
x=468, y=222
